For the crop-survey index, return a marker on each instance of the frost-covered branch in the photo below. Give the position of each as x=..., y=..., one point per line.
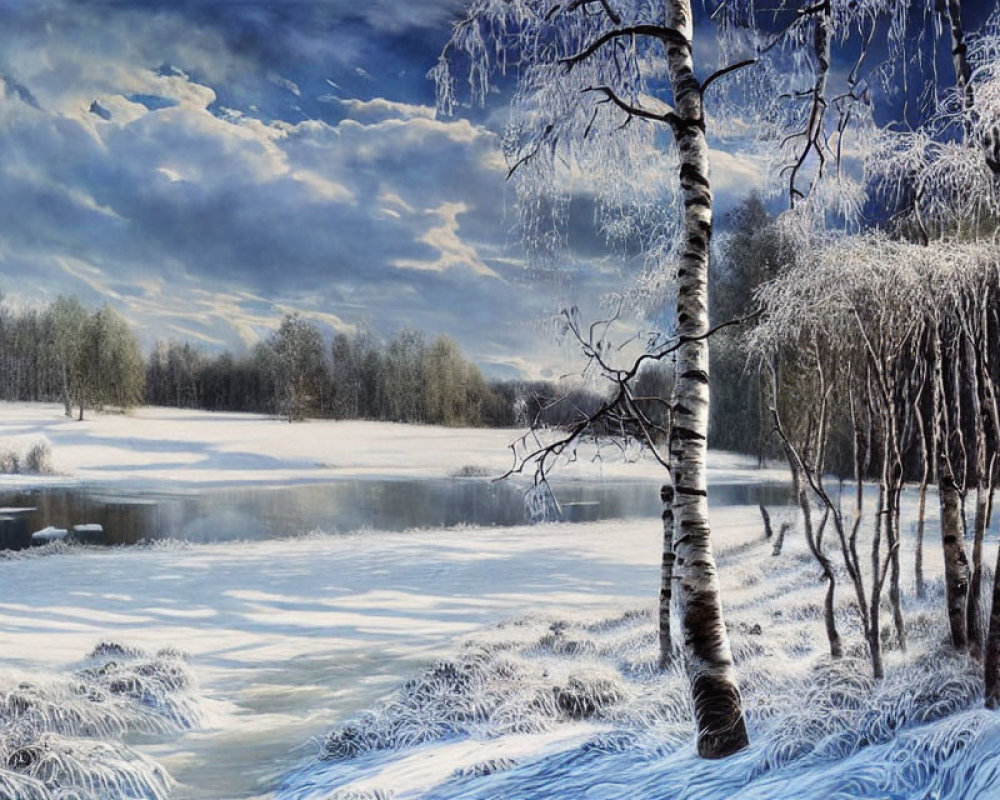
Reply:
x=623, y=414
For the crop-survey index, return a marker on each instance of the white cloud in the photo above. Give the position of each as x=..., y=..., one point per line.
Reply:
x=378, y=109
x=453, y=253
x=211, y=222
x=734, y=172
x=285, y=83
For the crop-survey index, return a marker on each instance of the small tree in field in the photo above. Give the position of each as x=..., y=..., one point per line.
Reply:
x=110, y=364
x=68, y=321
x=298, y=363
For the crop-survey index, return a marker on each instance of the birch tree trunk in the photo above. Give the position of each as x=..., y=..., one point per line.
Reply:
x=779, y=540
x=764, y=515
x=992, y=669
x=666, y=574
x=926, y=459
x=918, y=555
x=894, y=485
x=974, y=617
x=956, y=563
x=992, y=658
x=717, y=703
x=959, y=54
x=875, y=599
x=815, y=542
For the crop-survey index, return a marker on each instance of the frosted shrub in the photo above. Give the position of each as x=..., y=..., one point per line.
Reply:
x=490, y=690
x=10, y=461
x=38, y=461
x=35, y=460
x=60, y=736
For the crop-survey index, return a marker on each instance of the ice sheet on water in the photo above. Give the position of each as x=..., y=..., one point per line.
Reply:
x=60, y=735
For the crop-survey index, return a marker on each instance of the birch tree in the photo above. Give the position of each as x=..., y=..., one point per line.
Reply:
x=949, y=165
x=68, y=319
x=111, y=368
x=299, y=363
x=588, y=102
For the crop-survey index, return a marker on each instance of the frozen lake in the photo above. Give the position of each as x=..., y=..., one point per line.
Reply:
x=338, y=506
x=308, y=570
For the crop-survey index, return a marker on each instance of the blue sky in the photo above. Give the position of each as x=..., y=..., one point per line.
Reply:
x=208, y=166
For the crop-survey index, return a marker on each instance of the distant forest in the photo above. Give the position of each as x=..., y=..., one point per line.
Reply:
x=91, y=359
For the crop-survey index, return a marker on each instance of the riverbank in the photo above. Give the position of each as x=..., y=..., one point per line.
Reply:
x=570, y=705
x=286, y=638
x=504, y=662
x=177, y=448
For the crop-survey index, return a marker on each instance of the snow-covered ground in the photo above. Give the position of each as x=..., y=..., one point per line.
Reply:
x=173, y=447
x=288, y=637
x=567, y=705
x=545, y=688
x=291, y=639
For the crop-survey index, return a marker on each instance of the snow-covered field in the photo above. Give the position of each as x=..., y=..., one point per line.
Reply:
x=490, y=663
x=173, y=447
x=565, y=705
x=288, y=637
x=288, y=640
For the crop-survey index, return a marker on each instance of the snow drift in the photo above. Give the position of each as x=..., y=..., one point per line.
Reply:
x=573, y=706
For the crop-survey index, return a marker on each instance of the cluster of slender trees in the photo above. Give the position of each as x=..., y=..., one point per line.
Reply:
x=297, y=373
x=91, y=359
x=884, y=340
x=866, y=350
x=880, y=349
x=67, y=353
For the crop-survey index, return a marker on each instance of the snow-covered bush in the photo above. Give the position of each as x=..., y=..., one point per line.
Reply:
x=38, y=461
x=19, y=458
x=10, y=461
x=471, y=471
x=489, y=690
x=60, y=736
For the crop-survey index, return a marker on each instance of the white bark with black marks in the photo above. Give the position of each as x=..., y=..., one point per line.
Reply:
x=666, y=575
x=956, y=563
x=717, y=703
x=766, y=517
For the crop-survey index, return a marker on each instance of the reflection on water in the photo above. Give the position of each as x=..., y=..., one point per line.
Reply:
x=339, y=506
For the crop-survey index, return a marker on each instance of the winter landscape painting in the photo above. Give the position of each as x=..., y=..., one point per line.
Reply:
x=499, y=400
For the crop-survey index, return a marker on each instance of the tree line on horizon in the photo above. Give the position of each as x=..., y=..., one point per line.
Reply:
x=90, y=359
x=295, y=373
x=66, y=353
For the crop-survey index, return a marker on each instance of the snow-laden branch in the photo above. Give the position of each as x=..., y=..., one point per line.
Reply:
x=623, y=413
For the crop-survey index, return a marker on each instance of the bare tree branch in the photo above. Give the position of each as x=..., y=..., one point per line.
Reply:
x=633, y=111
x=661, y=32
x=719, y=73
